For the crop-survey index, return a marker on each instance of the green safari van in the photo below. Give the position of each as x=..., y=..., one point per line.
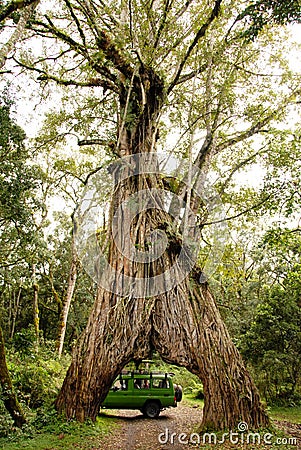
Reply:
x=149, y=392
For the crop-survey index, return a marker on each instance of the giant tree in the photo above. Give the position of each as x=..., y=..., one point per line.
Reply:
x=158, y=67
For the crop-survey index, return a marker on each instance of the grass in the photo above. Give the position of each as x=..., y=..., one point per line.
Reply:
x=282, y=413
x=61, y=436
x=190, y=400
x=289, y=414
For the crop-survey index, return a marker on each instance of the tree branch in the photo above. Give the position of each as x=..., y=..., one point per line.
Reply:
x=102, y=70
x=83, y=142
x=17, y=34
x=90, y=174
x=252, y=208
x=105, y=10
x=257, y=127
x=201, y=33
x=238, y=167
x=89, y=10
x=91, y=82
x=52, y=29
x=104, y=43
x=296, y=230
x=53, y=57
x=13, y=6
x=204, y=149
x=75, y=18
x=182, y=10
x=171, y=25
x=191, y=75
x=167, y=8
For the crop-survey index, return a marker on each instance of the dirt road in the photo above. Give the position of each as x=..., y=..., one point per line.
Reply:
x=138, y=433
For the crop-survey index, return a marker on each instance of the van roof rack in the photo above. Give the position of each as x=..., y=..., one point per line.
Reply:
x=146, y=372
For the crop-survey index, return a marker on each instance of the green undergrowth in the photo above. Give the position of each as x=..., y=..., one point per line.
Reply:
x=47, y=432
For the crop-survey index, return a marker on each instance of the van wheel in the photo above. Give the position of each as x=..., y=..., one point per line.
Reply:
x=151, y=410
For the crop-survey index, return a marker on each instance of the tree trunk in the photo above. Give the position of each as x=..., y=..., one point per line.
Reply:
x=181, y=320
x=118, y=329
x=188, y=331
x=67, y=301
x=7, y=48
x=36, y=316
x=102, y=353
x=15, y=311
x=185, y=327
x=9, y=398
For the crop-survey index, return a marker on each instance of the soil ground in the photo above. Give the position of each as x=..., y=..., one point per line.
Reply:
x=137, y=433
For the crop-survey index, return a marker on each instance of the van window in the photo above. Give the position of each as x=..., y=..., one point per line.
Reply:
x=161, y=384
x=120, y=385
x=139, y=383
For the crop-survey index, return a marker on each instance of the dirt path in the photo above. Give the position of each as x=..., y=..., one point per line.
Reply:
x=138, y=433
x=291, y=429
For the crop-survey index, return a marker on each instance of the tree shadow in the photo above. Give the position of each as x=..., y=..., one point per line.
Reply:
x=129, y=418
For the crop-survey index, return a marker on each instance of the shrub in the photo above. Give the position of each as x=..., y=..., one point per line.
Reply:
x=37, y=375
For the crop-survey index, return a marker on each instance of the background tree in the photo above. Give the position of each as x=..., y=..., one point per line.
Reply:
x=27, y=192
x=272, y=345
x=64, y=178
x=271, y=341
x=17, y=182
x=257, y=289
x=258, y=283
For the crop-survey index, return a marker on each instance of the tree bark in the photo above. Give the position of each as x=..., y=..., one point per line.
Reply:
x=9, y=398
x=182, y=323
x=102, y=353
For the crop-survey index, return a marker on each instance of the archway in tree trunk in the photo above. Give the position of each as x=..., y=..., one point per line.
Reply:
x=183, y=325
